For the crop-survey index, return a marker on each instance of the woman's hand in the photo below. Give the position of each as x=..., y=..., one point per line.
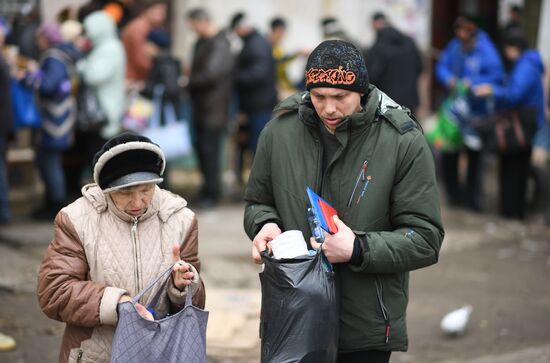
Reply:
x=182, y=275
x=145, y=314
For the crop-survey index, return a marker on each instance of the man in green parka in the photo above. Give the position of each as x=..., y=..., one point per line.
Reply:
x=368, y=158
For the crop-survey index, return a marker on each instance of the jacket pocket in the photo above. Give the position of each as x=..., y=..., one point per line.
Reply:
x=75, y=355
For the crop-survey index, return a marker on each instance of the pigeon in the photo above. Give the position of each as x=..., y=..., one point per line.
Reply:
x=454, y=323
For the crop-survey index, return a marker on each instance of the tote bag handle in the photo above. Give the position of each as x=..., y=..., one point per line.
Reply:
x=135, y=299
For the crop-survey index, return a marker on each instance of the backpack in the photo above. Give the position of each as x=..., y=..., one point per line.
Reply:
x=166, y=71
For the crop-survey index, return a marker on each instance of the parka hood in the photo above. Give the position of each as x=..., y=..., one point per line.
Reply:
x=532, y=56
x=164, y=203
x=99, y=26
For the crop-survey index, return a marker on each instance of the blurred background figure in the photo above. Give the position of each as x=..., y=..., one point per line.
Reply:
x=139, y=52
x=394, y=63
x=468, y=60
x=514, y=19
x=285, y=87
x=255, y=77
x=523, y=89
x=210, y=87
x=332, y=30
x=23, y=35
x=102, y=69
x=6, y=126
x=164, y=86
x=52, y=81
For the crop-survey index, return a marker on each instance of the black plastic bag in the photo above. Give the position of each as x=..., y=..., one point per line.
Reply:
x=90, y=116
x=299, y=317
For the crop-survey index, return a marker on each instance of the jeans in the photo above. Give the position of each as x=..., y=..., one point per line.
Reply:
x=50, y=165
x=5, y=213
x=257, y=121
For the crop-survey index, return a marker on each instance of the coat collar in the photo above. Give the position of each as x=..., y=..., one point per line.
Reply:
x=163, y=204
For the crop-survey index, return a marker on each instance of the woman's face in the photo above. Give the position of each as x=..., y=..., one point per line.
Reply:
x=42, y=42
x=134, y=200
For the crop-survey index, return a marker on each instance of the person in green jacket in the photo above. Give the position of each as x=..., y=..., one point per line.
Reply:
x=367, y=157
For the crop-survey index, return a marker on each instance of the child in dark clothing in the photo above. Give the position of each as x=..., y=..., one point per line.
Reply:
x=163, y=87
x=163, y=82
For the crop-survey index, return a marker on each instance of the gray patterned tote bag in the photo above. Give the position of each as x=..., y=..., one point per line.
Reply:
x=176, y=338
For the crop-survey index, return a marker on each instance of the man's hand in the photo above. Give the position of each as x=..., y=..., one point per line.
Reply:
x=268, y=232
x=181, y=274
x=483, y=90
x=337, y=247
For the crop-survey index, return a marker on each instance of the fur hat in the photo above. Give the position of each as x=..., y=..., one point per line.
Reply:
x=337, y=64
x=127, y=160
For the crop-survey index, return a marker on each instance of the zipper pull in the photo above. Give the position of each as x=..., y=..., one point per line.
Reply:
x=364, y=171
x=387, y=332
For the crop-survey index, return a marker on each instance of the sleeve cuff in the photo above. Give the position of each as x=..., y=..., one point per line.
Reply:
x=107, y=308
x=360, y=249
x=357, y=255
x=176, y=296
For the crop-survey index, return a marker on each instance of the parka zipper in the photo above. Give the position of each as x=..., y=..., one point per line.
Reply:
x=79, y=356
x=361, y=176
x=137, y=257
x=319, y=179
x=385, y=315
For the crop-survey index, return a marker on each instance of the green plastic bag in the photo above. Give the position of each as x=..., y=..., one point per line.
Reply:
x=446, y=134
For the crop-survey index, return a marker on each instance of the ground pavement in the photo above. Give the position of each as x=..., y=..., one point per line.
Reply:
x=501, y=268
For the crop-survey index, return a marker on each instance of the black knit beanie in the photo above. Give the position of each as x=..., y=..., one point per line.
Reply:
x=337, y=64
x=127, y=160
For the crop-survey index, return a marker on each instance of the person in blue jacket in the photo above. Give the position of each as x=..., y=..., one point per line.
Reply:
x=523, y=89
x=471, y=59
x=52, y=84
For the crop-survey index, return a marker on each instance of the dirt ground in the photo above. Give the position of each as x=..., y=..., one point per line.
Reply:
x=499, y=267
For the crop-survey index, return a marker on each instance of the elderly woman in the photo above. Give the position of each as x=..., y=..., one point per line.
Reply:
x=123, y=232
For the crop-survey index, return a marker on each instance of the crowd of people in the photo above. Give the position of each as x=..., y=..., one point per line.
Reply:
x=357, y=114
x=472, y=65
x=236, y=76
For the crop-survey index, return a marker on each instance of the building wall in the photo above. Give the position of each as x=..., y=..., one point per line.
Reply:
x=50, y=8
x=303, y=18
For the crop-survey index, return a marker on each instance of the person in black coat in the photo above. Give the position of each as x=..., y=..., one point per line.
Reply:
x=255, y=77
x=210, y=87
x=394, y=63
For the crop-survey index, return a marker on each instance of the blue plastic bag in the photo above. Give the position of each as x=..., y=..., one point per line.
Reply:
x=24, y=108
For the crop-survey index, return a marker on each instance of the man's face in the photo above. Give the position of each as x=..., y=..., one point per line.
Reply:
x=134, y=200
x=156, y=14
x=199, y=27
x=512, y=53
x=378, y=25
x=278, y=34
x=334, y=104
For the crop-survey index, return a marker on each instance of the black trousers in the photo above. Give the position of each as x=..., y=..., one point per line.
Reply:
x=209, y=152
x=78, y=159
x=367, y=356
x=470, y=194
x=513, y=174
